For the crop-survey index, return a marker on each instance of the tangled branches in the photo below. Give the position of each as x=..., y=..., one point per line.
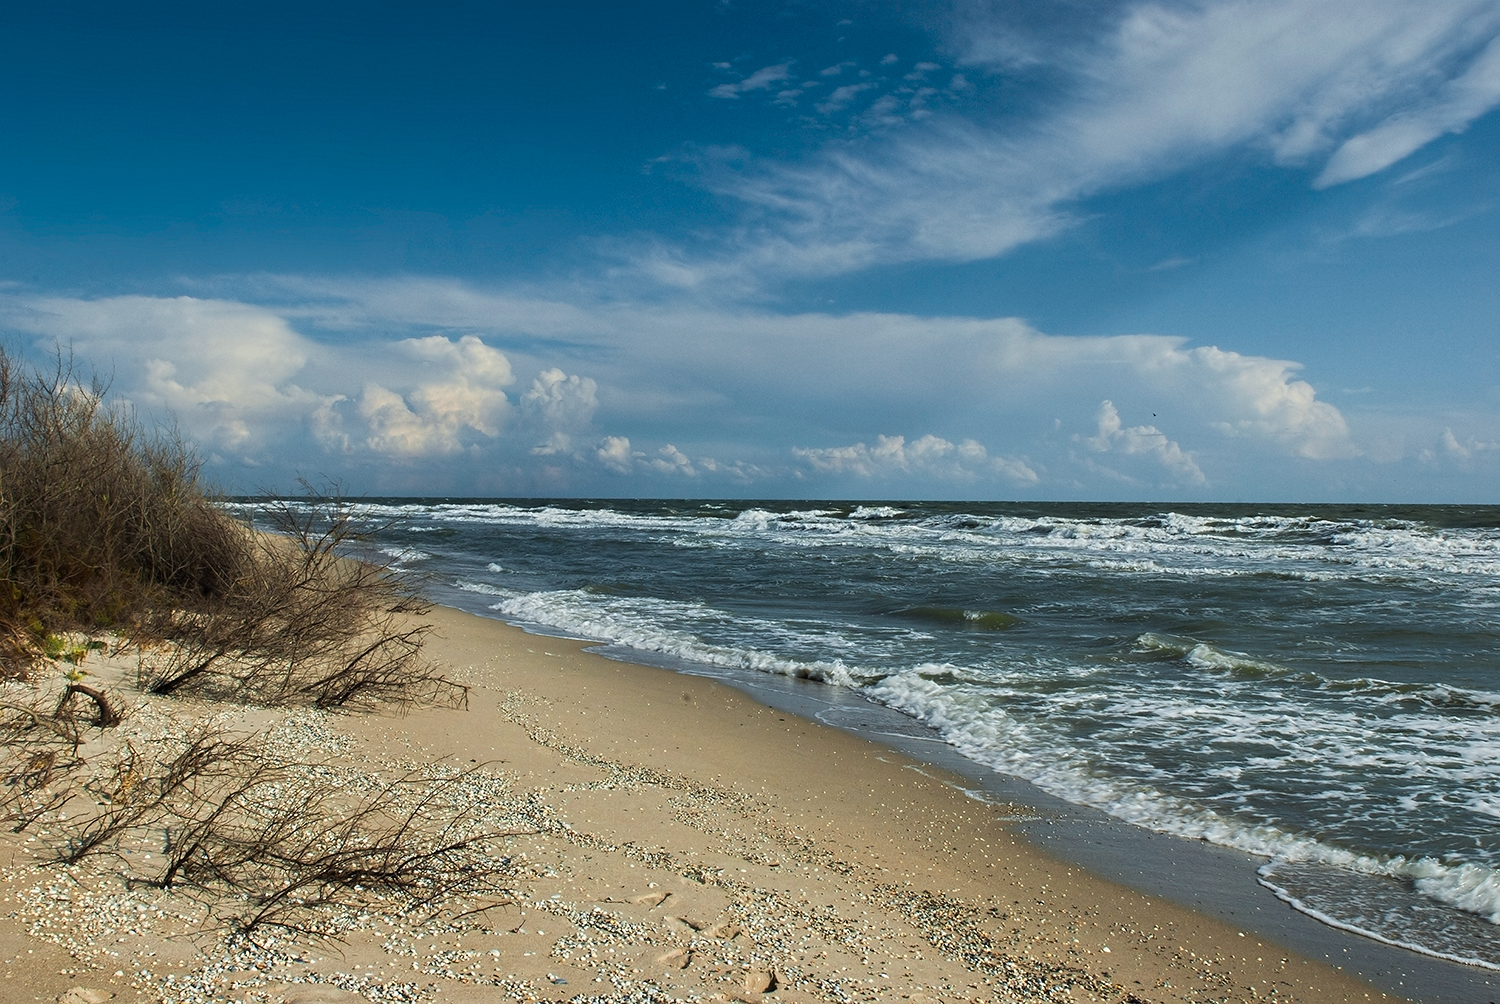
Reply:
x=304, y=624
x=100, y=519
x=275, y=842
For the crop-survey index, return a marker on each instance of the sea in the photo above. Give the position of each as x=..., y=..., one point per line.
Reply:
x=1318, y=685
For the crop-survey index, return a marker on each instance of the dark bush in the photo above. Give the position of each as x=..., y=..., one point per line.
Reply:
x=101, y=519
x=305, y=624
x=105, y=524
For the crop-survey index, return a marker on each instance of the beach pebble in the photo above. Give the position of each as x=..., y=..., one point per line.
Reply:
x=84, y=995
x=758, y=981
x=652, y=898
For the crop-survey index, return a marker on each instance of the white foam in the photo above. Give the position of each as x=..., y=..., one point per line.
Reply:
x=485, y=588
x=1470, y=887
x=404, y=555
x=1305, y=548
x=1297, y=904
x=974, y=719
x=876, y=512
x=638, y=623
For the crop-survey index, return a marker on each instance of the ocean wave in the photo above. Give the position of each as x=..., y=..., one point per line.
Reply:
x=1398, y=905
x=969, y=717
x=1168, y=543
x=484, y=588
x=876, y=512
x=639, y=624
x=1201, y=655
x=985, y=620
x=404, y=555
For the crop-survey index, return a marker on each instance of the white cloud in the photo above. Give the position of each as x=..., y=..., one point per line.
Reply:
x=736, y=384
x=1459, y=102
x=461, y=393
x=1113, y=436
x=226, y=370
x=1450, y=445
x=1269, y=403
x=819, y=359
x=561, y=406
x=1161, y=87
x=760, y=80
x=615, y=453
x=928, y=455
x=842, y=96
x=738, y=470
x=241, y=380
x=673, y=461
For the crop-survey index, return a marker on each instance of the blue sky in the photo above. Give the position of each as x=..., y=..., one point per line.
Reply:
x=1040, y=249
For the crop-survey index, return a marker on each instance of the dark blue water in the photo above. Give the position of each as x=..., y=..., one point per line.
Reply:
x=1317, y=684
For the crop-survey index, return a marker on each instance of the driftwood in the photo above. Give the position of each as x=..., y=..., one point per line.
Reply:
x=108, y=716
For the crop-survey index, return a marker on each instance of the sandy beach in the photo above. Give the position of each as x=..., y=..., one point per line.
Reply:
x=663, y=837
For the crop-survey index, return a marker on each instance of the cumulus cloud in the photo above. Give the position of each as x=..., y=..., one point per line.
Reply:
x=673, y=461
x=226, y=369
x=244, y=381
x=615, y=453
x=561, y=406
x=1114, y=436
x=462, y=393
x=1272, y=404
x=927, y=455
x=1450, y=445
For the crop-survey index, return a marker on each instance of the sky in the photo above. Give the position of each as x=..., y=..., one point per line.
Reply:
x=944, y=249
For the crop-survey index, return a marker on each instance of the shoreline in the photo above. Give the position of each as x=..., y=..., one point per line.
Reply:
x=1211, y=879
x=670, y=839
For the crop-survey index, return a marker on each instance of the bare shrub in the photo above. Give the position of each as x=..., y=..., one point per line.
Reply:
x=405, y=840
x=271, y=847
x=100, y=517
x=38, y=759
x=105, y=523
x=305, y=624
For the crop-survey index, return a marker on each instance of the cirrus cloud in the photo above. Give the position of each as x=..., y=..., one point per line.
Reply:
x=1345, y=88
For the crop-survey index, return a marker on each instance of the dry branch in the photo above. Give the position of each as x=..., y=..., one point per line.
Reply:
x=271, y=848
x=305, y=624
x=108, y=716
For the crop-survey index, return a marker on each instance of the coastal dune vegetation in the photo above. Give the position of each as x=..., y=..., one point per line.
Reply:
x=114, y=547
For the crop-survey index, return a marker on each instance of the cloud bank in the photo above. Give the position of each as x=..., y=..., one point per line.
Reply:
x=422, y=376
